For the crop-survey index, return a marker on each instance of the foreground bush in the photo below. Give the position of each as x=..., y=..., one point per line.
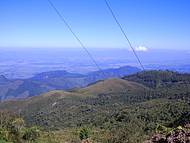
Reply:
x=31, y=134
x=13, y=129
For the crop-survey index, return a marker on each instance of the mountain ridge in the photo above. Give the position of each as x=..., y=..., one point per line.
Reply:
x=57, y=80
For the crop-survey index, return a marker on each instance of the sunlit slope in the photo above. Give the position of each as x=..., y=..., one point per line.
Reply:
x=111, y=86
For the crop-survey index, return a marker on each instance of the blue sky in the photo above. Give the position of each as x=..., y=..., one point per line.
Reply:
x=150, y=23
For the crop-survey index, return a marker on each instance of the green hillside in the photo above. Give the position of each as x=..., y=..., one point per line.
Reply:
x=115, y=110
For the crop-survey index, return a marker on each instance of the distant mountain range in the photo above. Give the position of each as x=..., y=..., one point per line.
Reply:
x=56, y=80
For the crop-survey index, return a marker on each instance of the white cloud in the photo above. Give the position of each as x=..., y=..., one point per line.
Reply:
x=141, y=49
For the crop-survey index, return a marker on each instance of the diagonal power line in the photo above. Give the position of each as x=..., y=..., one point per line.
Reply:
x=125, y=35
x=74, y=34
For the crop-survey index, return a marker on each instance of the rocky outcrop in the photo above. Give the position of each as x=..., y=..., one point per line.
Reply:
x=178, y=135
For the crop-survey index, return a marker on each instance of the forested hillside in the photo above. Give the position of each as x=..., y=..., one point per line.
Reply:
x=126, y=110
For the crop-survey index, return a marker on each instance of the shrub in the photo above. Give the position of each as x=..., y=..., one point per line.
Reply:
x=162, y=129
x=31, y=134
x=16, y=126
x=84, y=134
x=3, y=134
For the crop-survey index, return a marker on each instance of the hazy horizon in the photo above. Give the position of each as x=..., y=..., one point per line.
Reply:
x=23, y=63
